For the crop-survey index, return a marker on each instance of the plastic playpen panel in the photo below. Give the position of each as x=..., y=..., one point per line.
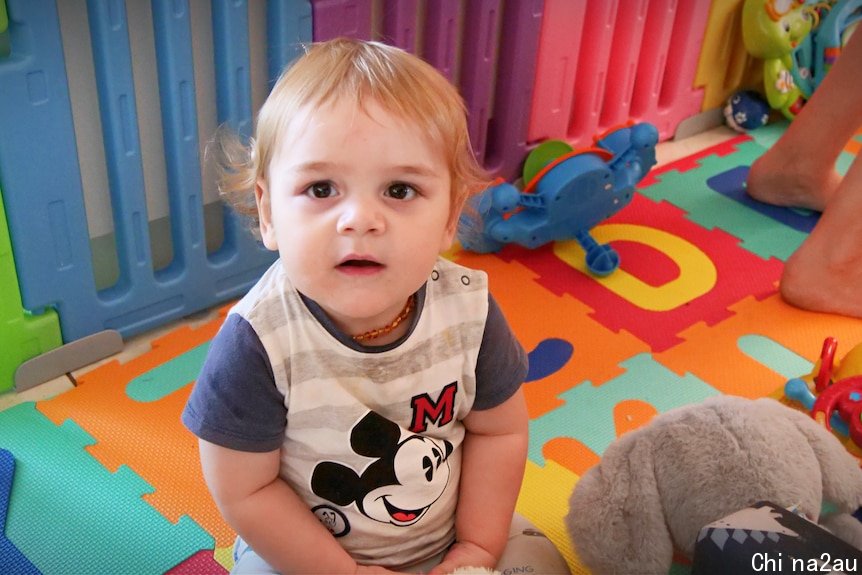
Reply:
x=527, y=69
x=603, y=62
x=487, y=48
x=42, y=180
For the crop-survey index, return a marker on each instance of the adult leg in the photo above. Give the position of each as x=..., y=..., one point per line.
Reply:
x=799, y=169
x=825, y=273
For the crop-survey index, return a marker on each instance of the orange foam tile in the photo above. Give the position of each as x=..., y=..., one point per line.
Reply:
x=536, y=314
x=148, y=437
x=631, y=414
x=571, y=454
x=713, y=353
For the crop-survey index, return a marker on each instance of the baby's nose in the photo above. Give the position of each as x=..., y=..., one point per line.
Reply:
x=361, y=216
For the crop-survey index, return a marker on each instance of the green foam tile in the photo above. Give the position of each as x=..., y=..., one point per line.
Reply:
x=169, y=376
x=588, y=411
x=688, y=190
x=69, y=514
x=774, y=356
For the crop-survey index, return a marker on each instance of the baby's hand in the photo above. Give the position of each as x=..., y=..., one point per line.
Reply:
x=463, y=554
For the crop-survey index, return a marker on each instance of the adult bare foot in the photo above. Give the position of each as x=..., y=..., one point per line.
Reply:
x=782, y=181
x=825, y=273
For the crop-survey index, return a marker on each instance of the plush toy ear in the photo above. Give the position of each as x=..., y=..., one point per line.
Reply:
x=840, y=473
x=615, y=514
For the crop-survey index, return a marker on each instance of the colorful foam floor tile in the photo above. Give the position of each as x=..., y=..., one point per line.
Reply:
x=14, y=562
x=69, y=514
x=104, y=478
x=118, y=404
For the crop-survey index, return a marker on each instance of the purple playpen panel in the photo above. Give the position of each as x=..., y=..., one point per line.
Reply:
x=479, y=67
x=442, y=26
x=487, y=48
x=506, y=145
x=400, y=23
x=334, y=18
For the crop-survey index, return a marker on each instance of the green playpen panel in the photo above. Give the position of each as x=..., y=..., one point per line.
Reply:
x=4, y=25
x=23, y=335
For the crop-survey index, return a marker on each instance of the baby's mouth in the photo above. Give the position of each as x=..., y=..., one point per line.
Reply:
x=359, y=264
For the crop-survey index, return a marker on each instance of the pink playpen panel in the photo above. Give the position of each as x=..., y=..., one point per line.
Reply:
x=604, y=62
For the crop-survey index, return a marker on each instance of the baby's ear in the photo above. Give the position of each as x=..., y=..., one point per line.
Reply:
x=452, y=224
x=264, y=213
x=449, y=234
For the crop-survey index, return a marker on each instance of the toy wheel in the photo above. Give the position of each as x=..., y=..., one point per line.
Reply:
x=542, y=155
x=602, y=260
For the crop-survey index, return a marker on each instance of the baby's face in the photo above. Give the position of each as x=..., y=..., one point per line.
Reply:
x=357, y=203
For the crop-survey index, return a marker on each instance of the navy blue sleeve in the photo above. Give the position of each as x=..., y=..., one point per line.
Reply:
x=502, y=364
x=235, y=402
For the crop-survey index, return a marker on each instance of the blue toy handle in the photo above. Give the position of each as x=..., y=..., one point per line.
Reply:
x=602, y=260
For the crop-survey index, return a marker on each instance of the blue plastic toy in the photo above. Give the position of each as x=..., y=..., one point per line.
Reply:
x=565, y=197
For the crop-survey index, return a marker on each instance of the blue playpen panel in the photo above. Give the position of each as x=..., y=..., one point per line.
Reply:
x=288, y=25
x=42, y=180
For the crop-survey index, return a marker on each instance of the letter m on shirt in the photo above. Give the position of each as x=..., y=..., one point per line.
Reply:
x=426, y=409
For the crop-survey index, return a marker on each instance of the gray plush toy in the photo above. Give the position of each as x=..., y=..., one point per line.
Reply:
x=657, y=486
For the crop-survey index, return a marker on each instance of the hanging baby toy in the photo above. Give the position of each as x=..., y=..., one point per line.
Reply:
x=798, y=42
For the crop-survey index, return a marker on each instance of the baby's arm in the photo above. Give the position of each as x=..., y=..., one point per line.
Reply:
x=492, y=469
x=269, y=515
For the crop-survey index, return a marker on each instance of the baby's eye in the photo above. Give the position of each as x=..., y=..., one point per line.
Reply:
x=320, y=190
x=401, y=191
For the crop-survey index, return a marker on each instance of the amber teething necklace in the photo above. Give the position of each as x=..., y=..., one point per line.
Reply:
x=375, y=333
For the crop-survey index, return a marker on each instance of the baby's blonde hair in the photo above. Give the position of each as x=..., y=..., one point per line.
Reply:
x=399, y=82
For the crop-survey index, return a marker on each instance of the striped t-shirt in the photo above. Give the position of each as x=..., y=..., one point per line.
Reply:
x=370, y=437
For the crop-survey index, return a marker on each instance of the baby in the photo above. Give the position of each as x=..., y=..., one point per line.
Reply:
x=360, y=409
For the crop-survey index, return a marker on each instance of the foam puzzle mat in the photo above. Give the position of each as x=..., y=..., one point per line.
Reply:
x=104, y=478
